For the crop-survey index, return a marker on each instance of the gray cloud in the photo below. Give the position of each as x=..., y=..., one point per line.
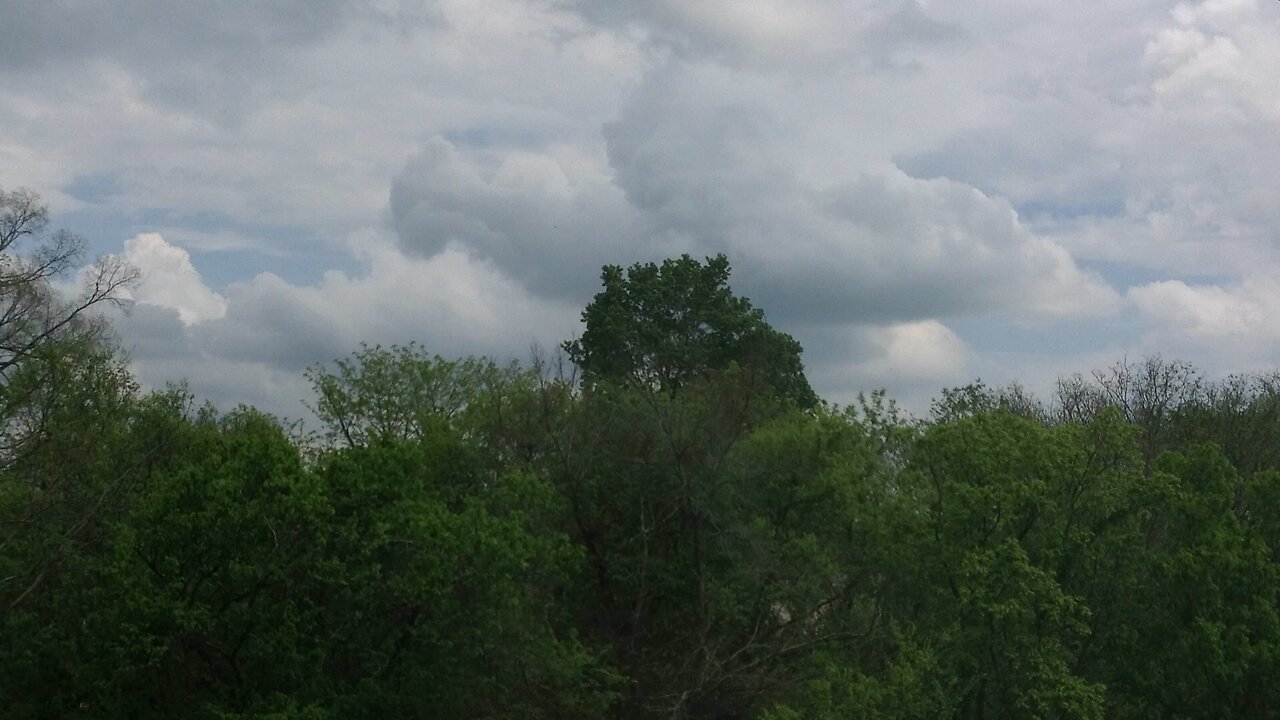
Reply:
x=149, y=331
x=207, y=59
x=550, y=221
x=778, y=35
x=895, y=181
x=692, y=169
x=48, y=32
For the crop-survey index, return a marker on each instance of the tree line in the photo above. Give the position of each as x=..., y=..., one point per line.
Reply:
x=661, y=521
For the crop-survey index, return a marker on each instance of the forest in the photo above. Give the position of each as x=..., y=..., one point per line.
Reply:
x=658, y=519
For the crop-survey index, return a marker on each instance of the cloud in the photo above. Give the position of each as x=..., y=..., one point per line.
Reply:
x=546, y=218
x=1244, y=314
x=777, y=35
x=1227, y=327
x=454, y=304
x=269, y=328
x=918, y=190
x=911, y=361
x=295, y=115
x=692, y=170
x=1150, y=142
x=200, y=59
x=170, y=280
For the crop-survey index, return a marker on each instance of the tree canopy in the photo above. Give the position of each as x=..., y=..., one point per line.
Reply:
x=668, y=538
x=666, y=325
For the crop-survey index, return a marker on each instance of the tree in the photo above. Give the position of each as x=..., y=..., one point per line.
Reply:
x=994, y=508
x=31, y=313
x=714, y=522
x=397, y=392
x=662, y=326
x=34, y=317
x=62, y=396
x=239, y=583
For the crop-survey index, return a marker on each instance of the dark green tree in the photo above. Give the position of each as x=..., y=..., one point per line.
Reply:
x=397, y=579
x=662, y=326
x=715, y=522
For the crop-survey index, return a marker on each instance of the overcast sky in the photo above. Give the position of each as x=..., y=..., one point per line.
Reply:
x=922, y=192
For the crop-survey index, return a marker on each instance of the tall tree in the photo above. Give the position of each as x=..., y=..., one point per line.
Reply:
x=664, y=325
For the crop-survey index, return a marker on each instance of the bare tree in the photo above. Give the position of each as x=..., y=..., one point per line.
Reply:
x=31, y=312
x=1149, y=393
x=1076, y=400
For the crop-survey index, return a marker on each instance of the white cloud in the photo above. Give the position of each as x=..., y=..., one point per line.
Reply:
x=170, y=280
x=1239, y=317
x=1211, y=11
x=268, y=329
x=1226, y=327
x=1215, y=62
x=296, y=116
x=452, y=303
x=1134, y=135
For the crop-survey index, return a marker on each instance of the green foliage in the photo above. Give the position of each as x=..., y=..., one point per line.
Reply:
x=399, y=392
x=685, y=534
x=388, y=581
x=663, y=326
x=466, y=594
x=69, y=407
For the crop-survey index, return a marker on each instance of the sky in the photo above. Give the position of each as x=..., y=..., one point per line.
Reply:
x=922, y=193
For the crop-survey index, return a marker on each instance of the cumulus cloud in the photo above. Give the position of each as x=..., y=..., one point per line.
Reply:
x=547, y=218
x=1151, y=143
x=204, y=59
x=268, y=328
x=295, y=115
x=1247, y=313
x=453, y=303
x=168, y=279
x=919, y=191
x=694, y=171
